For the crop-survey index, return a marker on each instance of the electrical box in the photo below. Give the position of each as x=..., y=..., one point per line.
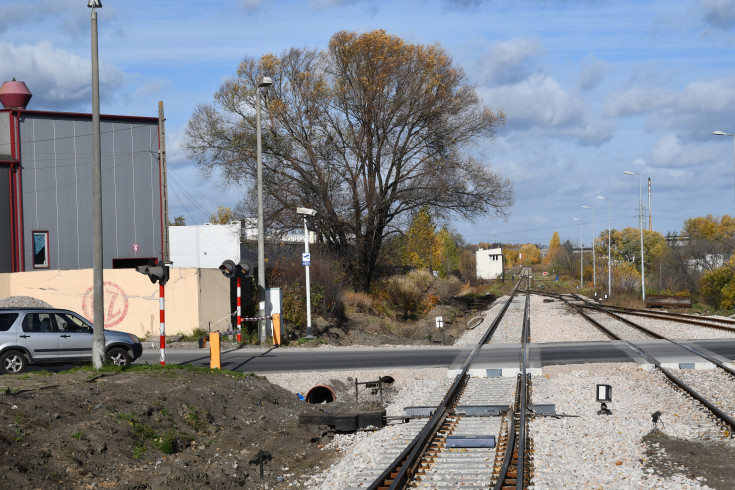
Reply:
x=273, y=304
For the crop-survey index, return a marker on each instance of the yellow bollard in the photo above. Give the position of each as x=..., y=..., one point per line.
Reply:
x=276, y=328
x=214, y=351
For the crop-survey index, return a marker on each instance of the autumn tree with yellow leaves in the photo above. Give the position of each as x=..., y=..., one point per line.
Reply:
x=554, y=248
x=424, y=247
x=222, y=217
x=367, y=132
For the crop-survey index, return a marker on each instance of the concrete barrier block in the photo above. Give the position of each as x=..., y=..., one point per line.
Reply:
x=673, y=366
x=703, y=366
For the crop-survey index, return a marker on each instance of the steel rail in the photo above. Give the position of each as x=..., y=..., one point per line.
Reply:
x=693, y=350
x=686, y=388
x=519, y=409
x=683, y=316
x=399, y=472
x=677, y=317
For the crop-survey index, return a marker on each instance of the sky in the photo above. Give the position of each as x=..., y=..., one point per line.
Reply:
x=590, y=89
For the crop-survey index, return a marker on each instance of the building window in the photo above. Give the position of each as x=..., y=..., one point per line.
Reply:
x=40, y=250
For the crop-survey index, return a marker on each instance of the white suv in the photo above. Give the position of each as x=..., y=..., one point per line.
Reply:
x=46, y=336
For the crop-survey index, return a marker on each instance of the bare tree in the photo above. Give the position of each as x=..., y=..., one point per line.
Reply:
x=367, y=132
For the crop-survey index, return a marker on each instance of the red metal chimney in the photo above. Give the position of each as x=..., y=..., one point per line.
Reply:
x=14, y=95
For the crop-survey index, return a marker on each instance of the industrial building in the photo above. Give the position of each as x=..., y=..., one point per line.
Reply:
x=46, y=188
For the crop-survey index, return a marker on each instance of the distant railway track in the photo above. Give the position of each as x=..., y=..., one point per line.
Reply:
x=429, y=460
x=702, y=321
x=581, y=305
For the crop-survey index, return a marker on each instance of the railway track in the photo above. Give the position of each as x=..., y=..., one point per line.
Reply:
x=477, y=437
x=724, y=419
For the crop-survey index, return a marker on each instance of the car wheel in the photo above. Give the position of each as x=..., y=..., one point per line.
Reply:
x=13, y=362
x=119, y=357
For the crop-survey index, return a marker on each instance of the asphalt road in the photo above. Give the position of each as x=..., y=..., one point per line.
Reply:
x=262, y=360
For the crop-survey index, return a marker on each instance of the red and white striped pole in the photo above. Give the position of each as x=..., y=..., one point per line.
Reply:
x=162, y=302
x=239, y=318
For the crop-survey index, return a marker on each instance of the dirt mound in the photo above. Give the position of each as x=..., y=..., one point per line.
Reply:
x=153, y=427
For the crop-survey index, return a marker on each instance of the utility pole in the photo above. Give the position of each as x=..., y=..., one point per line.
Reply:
x=98, y=291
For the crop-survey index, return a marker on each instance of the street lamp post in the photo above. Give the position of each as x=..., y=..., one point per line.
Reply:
x=609, y=229
x=640, y=222
x=266, y=82
x=594, y=266
x=722, y=133
x=98, y=291
x=581, y=254
x=307, y=260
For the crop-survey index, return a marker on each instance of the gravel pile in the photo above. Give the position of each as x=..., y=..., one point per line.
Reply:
x=23, y=302
x=578, y=450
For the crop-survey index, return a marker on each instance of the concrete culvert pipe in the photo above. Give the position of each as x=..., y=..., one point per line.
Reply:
x=387, y=380
x=320, y=394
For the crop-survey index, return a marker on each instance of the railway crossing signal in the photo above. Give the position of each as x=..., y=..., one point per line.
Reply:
x=156, y=273
x=242, y=269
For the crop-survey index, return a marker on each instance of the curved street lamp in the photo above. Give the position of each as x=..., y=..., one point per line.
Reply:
x=640, y=222
x=722, y=133
x=609, y=226
x=594, y=268
x=581, y=254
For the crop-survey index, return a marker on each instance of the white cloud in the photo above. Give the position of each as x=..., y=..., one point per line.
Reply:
x=635, y=101
x=671, y=153
x=540, y=102
x=510, y=61
x=28, y=12
x=56, y=78
x=592, y=73
x=693, y=111
x=251, y=4
x=719, y=14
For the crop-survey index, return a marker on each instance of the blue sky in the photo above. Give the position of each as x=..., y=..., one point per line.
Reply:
x=590, y=89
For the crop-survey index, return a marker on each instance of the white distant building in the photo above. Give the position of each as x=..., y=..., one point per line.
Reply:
x=489, y=263
x=205, y=246
x=250, y=233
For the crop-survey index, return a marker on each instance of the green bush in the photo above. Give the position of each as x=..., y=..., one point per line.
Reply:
x=195, y=335
x=717, y=287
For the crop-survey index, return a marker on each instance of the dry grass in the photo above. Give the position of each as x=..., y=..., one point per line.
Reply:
x=361, y=302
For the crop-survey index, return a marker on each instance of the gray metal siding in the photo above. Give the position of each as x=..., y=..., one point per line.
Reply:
x=57, y=189
x=5, y=135
x=6, y=250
